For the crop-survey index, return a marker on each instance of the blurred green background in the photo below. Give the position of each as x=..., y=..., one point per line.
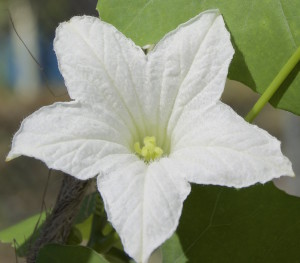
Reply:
x=25, y=86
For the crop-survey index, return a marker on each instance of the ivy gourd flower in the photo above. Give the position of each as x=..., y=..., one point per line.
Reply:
x=148, y=125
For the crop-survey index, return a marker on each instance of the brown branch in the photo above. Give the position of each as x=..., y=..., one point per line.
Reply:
x=58, y=224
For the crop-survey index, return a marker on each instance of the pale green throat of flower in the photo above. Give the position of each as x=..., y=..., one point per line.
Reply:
x=149, y=151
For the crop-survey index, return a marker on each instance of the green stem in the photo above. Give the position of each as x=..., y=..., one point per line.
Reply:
x=273, y=87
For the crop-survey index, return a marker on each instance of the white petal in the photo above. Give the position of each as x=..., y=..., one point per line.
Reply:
x=218, y=147
x=72, y=137
x=100, y=65
x=144, y=204
x=190, y=62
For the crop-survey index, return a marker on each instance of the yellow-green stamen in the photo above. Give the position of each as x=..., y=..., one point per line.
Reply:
x=150, y=151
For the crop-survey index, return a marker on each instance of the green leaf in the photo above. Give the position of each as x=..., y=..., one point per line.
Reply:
x=85, y=227
x=86, y=209
x=75, y=236
x=21, y=231
x=255, y=224
x=265, y=34
x=55, y=253
x=172, y=251
x=84, y=218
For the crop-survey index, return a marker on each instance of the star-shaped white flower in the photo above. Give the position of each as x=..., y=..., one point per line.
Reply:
x=148, y=125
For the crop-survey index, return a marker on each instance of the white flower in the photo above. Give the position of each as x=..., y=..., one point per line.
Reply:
x=167, y=100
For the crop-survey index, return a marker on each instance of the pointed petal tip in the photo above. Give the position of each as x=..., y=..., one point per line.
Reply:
x=292, y=174
x=290, y=171
x=10, y=157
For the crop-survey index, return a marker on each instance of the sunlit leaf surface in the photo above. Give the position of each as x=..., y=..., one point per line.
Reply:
x=266, y=33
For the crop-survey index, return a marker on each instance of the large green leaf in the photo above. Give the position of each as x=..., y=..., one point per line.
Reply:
x=55, y=253
x=255, y=224
x=265, y=34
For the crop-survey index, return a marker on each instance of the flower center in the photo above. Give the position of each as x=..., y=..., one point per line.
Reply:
x=149, y=151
